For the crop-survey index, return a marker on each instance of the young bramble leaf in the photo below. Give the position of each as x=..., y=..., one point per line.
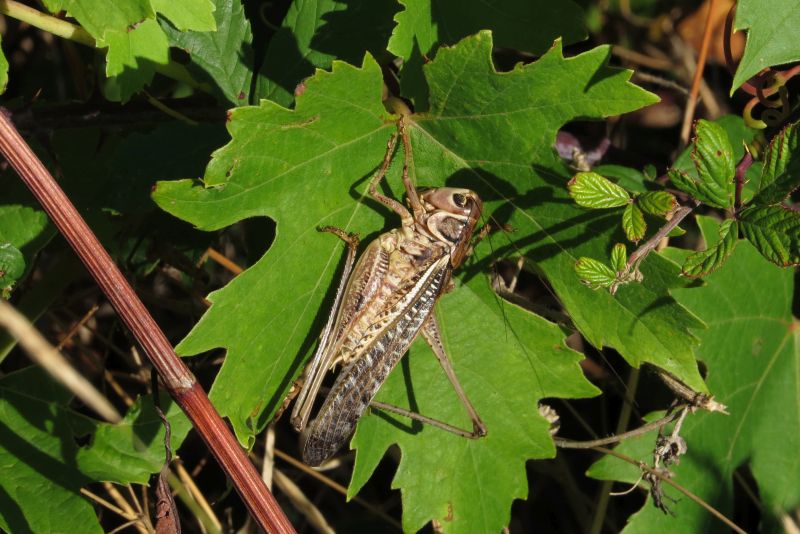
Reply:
x=619, y=257
x=591, y=190
x=633, y=223
x=748, y=309
x=774, y=231
x=594, y=274
x=656, y=202
x=712, y=157
x=781, y=172
x=707, y=261
x=12, y=265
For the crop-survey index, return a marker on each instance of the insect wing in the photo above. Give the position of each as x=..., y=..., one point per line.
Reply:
x=359, y=381
x=358, y=288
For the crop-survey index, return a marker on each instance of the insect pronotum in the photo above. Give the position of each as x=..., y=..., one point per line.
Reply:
x=383, y=302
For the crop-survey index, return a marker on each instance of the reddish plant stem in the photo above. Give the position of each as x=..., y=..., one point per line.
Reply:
x=741, y=170
x=691, y=104
x=177, y=378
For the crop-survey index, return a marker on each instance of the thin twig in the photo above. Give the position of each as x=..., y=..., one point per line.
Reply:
x=54, y=362
x=336, y=487
x=644, y=467
x=641, y=253
x=143, y=522
x=302, y=503
x=644, y=429
x=691, y=104
x=177, y=378
x=77, y=326
x=222, y=260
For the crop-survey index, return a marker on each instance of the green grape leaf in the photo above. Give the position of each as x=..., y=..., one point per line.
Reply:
x=707, y=261
x=12, y=265
x=774, y=231
x=309, y=167
x=751, y=351
x=132, y=57
x=591, y=190
x=26, y=230
x=49, y=468
x=594, y=274
x=529, y=25
x=656, y=202
x=314, y=33
x=712, y=157
x=619, y=257
x=128, y=28
x=633, y=223
x=770, y=30
x=195, y=15
x=224, y=56
x=780, y=174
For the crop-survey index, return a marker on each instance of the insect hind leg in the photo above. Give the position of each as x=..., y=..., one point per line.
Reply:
x=430, y=331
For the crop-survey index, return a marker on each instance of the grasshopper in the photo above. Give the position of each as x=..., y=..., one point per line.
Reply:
x=382, y=303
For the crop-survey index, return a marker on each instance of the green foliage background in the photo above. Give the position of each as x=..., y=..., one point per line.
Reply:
x=309, y=125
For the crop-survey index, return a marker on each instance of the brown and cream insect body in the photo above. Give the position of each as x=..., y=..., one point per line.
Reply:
x=383, y=302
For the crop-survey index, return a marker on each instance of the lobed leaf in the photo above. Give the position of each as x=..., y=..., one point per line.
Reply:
x=774, y=231
x=594, y=273
x=484, y=130
x=314, y=33
x=656, y=202
x=135, y=42
x=591, y=190
x=225, y=56
x=780, y=175
x=712, y=157
x=423, y=26
x=633, y=223
x=707, y=261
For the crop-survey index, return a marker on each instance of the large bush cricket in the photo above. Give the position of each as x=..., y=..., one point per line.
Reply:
x=384, y=300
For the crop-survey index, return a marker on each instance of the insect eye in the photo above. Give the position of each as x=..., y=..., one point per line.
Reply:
x=459, y=200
